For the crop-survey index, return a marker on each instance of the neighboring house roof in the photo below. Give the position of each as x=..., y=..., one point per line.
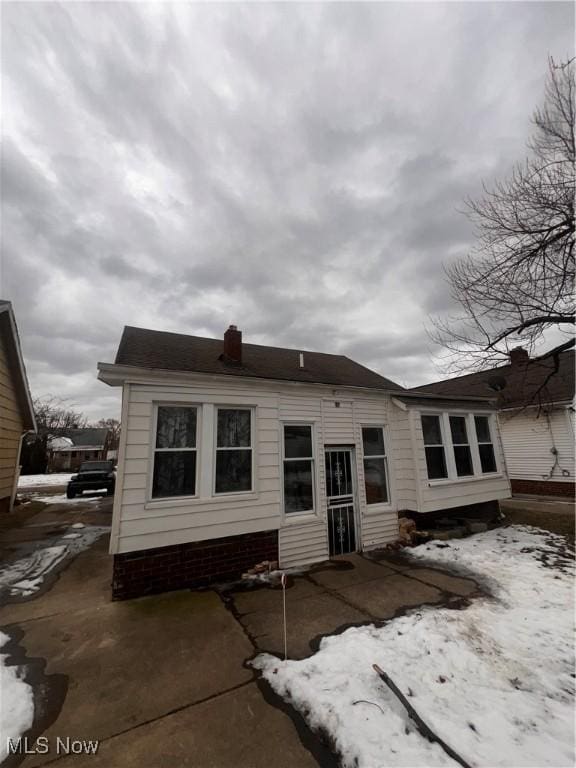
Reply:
x=142, y=348
x=515, y=385
x=9, y=331
x=86, y=439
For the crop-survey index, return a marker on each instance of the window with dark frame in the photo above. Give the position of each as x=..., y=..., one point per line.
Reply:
x=298, y=468
x=485, y=444
x=233, y=450
x=434, y=447
x=175, y=452
x=375, y=465
x=461, y=446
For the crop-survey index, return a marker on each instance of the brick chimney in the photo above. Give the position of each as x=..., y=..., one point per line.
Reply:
x=233, y=344
x=519, y=356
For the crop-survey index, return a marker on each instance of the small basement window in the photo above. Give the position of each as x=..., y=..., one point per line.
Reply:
x=175, y=452
x=233, y=450
x=485, y=444
x=434, y=447
x=375, y=465
x=298, y=468
x=461, y=446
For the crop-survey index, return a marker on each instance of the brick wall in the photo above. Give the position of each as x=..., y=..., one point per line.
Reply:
x=195, y=564
x=544, y=488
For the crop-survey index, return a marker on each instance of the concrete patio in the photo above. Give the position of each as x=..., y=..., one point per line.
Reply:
x=163, y=681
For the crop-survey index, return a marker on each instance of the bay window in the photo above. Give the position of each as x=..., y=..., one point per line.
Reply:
x=375, y=465
x=298, y=468
x=485, y=445
x=175, y=452
x=233, y=450
x=434, y=447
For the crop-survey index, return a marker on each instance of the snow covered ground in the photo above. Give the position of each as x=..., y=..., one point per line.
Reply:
x=17, y=710
x=26, y=575
x=60, y=498
x=35, y=481
x=495, y=681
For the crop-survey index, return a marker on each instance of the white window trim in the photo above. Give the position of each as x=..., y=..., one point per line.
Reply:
x=448, y=446
x=251, y=448
x=467, y=417
x=165, y=500
x=444, y=433
x=307, y=515
x=477, y=443
x=381, y=505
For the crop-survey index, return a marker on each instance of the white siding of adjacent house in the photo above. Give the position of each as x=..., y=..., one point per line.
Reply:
x=529, y=437
x=436, y=495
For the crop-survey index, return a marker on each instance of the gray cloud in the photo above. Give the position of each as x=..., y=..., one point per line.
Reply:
x=295, y=169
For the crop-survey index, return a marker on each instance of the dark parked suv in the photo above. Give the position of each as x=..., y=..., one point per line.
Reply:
x=92, y=476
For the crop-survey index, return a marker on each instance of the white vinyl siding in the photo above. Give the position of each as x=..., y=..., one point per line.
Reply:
x=529, y=438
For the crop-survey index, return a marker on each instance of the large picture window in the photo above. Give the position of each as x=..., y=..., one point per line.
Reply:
x=434, y=447
x=175, y=452
x=298, y=468
x=375, y=465
x=233, y=450
x=461, y=445
x=485, y=445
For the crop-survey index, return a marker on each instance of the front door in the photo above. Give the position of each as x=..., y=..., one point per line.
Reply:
x=340, y=490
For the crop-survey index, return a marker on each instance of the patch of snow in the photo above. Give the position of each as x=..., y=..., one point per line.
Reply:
x=17, y=710
x=494, y=681
x=26, y=575
x=31, y=481
x=77, y=525
x=61, y=498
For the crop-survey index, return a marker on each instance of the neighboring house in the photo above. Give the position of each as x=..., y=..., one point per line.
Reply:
x=16, y=411
x=536, y=413
x=66, y=453
x=233, y=453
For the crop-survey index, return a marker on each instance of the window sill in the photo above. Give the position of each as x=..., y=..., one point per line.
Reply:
x=192, y=501
x=458, y=480
x=300, y=518
x=376, y=509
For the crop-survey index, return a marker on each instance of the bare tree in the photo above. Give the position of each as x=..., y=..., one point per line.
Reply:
x=113, y=427
x=55, y=417
x=518, y=283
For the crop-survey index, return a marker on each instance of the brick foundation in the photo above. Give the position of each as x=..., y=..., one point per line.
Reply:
x=544, y=488
x=195, y=564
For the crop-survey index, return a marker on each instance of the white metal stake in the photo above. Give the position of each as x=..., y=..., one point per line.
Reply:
x=284, y=606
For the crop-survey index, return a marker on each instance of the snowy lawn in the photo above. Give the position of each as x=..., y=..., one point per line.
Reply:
x=17, y=710
x=495, y=681
x=34, y=481
x=61, y=498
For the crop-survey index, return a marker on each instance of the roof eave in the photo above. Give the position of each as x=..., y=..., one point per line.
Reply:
x=116, y=375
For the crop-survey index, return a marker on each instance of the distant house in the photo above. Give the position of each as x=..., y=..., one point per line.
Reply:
x=233, y=453
x=66, y=453
x=16, y=411
x=536, y=412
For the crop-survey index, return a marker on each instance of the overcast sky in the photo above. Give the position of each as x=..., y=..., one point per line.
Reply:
x=297, y=170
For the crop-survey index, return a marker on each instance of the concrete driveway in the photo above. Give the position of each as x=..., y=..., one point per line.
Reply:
x=164, y=680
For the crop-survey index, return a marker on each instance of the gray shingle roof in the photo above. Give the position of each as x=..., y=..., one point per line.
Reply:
x=514, y=385
x=144, y=348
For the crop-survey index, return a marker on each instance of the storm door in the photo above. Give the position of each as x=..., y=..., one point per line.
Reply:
x=340, y=492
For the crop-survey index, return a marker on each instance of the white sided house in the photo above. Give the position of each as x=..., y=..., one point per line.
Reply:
x=234, y=453
x=535, y=399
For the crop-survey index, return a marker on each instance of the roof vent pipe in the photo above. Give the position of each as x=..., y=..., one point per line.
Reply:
x=301, y=359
